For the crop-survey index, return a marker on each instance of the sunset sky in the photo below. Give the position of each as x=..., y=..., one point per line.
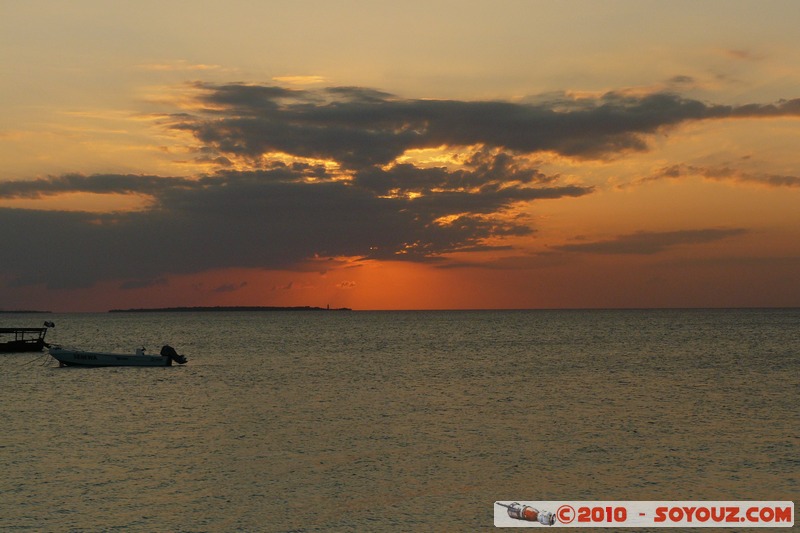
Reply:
x=399, y=155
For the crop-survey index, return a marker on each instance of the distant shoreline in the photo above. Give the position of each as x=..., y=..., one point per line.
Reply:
x=23, y=312
x=223, y=308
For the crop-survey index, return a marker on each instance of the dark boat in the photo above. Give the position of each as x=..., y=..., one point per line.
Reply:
x=22, y=339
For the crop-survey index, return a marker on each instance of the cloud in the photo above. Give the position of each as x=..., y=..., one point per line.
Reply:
x=306, y=175
x=230, y=287
x=180, y=65
x=743, y=55
x=529, y=261
x=96, y=184
x=293, y=286
x=360, y=127
x=649, y=243
x=274, y=218
x=681, y=79
x=300, y=80
x=640, y=243
x=722, y=173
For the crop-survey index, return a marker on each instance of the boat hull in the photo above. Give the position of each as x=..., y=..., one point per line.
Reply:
x=22, y=346
x=96, y=359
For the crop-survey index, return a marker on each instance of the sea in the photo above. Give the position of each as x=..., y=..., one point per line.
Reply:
x=394, y=421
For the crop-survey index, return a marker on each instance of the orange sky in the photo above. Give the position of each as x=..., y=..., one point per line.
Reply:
x=546, y=155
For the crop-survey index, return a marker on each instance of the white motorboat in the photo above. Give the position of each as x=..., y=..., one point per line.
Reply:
x=74, y=357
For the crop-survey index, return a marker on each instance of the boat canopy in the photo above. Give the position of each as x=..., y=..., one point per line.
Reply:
x=21, y=333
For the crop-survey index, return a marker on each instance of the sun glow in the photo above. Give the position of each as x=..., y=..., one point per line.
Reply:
x=449, y=157
x=270, y=158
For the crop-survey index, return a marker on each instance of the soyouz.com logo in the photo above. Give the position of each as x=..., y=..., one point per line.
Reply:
x=644, y=514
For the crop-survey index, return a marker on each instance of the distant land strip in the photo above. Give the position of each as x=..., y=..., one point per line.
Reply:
x=22, y=311
x=223, y=308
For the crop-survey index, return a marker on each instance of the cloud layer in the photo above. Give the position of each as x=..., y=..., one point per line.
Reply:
x=317, y=174
x=261, y=219
x=649, y=243
x=361, y=127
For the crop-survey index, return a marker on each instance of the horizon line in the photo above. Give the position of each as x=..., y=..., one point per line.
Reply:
x=255, y=309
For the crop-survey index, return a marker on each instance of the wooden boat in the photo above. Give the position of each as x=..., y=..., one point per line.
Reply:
x=73, y=357
x=22, y=339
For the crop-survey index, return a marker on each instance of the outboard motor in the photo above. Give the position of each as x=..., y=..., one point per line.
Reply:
x=170, y=352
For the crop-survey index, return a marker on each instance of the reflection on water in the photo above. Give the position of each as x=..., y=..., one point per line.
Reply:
x=411, y=421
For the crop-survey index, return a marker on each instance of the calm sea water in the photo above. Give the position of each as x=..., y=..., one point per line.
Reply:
x=406, y=421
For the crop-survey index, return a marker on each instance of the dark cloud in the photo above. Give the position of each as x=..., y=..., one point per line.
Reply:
x=722, y=173
x=281, y=214
x=230, y=287
x=648, y=243
x=681, y=80
x=273, y=218
x=641, y=243
x=97, y=184
x=484, y=172
x=360, y=127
